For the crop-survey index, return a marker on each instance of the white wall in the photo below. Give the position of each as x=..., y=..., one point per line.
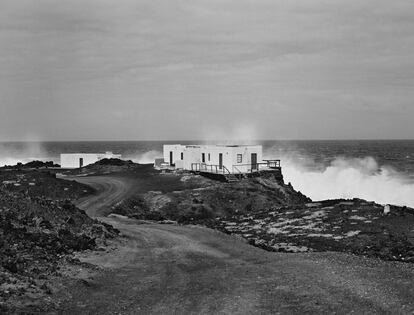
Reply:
x=71, y=160
x=192, y=154
x=246, y=152
x=176, y=149
x=214, y=152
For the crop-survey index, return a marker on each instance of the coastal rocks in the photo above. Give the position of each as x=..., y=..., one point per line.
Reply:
x=273, y=216
x=328, y=226
x=202, y=199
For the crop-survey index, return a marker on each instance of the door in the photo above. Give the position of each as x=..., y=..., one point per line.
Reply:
x=203, y=157
x=220, y=160
x=80, y=162
x=171, y=158
x=254, y=161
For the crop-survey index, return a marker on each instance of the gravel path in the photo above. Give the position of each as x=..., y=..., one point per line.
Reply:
x=110, y=190
x=171, y=269
x=167, y=269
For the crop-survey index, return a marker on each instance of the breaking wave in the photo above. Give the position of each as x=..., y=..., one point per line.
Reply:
x=21, y=153
x=340, y=177
x=349, y=178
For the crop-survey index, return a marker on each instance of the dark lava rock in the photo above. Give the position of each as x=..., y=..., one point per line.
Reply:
x=354, y=226
x=32, y=164
x=36, y=234
x=115, y=162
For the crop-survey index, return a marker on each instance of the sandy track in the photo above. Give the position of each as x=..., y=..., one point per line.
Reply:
x=110, y=190
x=169, y=269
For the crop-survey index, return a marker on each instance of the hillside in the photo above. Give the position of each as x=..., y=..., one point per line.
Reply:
x=271, y=215
x=40, y=229
x=56, y=258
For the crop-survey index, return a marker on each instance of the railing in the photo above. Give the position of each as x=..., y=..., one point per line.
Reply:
x=254, y=168
x=273, y=163
x=236, y=169
x=226, y=169
x=216, y=169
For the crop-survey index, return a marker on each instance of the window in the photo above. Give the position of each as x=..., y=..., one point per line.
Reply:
x=209, y=156
x=239, y=158
x=203, y=157
x=182, y=155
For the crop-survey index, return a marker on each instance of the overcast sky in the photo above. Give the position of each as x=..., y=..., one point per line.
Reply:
x=205, y=69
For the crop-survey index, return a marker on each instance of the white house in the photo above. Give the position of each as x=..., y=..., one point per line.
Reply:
x=77, y=160
x=222, y=159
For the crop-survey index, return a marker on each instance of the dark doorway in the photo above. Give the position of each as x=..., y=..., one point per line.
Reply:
x=171, y=158
x=203, y=157
x=254, y=161
x=80, y=162
x=220, y=160
x=182, y=155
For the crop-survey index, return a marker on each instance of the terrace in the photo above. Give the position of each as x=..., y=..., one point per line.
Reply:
x=238, y=171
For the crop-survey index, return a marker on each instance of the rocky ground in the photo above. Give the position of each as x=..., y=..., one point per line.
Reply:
x=36, y=183
x=187, y=269
x=193, y=198
x=31, y=165
x=354, y=226
x=111, y=166
x=271, y=215
x=40, y=229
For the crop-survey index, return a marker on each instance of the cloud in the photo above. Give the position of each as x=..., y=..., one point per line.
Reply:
x=180, y=67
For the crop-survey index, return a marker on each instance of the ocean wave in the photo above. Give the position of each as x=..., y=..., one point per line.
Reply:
x=348, y=178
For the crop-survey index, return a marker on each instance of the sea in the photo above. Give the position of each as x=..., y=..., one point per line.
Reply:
x=376, y=170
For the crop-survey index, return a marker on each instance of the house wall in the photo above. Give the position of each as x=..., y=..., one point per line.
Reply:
x=176, y=149
x=246, y=152
x=192, y=154
x=71, y=160
x=214, y=152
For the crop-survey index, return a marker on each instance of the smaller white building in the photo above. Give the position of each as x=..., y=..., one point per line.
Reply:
x=221, y=159
x=78, y=160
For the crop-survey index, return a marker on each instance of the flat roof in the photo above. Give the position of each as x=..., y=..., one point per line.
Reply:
x=89, y=153
x=222, y=145
x=214, y=145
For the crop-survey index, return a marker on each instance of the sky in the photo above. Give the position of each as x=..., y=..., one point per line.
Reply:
x=206, y=69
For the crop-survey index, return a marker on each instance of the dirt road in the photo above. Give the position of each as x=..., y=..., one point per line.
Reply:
x=169, y=269
x=110, y=190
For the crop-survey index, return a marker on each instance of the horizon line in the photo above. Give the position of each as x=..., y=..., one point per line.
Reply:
x=210, y=140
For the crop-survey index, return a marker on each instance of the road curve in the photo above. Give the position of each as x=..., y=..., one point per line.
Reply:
x=171, y=269
x=109, y=191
